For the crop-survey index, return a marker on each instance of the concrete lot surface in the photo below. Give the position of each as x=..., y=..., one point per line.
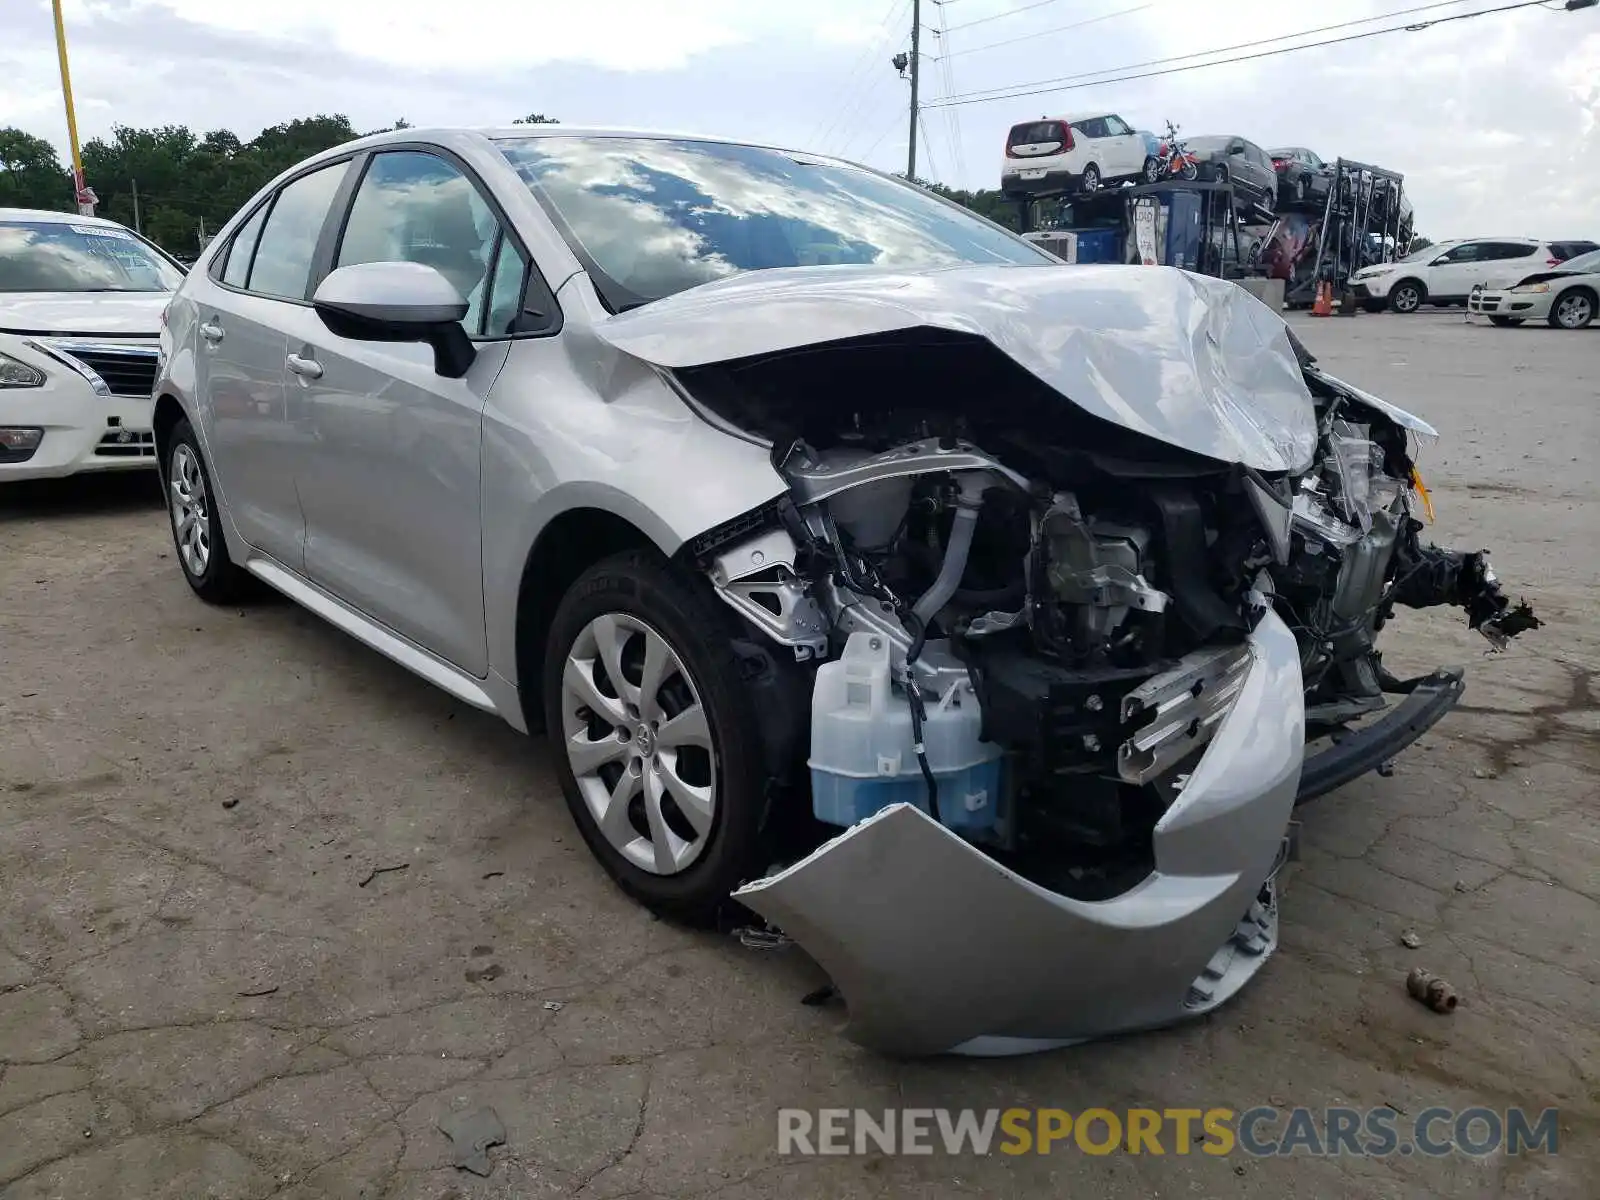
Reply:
x=204, y=991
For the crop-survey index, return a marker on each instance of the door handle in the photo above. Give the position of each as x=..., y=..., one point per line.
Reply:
x=308, y=368
x=211, y=331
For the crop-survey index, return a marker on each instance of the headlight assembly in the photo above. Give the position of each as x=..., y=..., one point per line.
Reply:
x=1525, y=288
x=17, y=374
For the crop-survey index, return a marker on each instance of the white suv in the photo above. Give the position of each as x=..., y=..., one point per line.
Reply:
x=1075, y=153
x=1446, y=272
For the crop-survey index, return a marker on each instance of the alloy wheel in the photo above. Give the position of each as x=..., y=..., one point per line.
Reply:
x=1406, y=299
x=191, y=514
x=639, y=743
x=1574, y=311
x=1091, y=178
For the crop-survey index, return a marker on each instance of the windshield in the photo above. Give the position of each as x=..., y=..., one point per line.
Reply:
x=57, y=256
x=1583, y=262
x=1425, y=252
x=653, y=216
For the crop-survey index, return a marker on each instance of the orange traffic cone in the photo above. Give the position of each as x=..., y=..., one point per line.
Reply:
x=1323, y=306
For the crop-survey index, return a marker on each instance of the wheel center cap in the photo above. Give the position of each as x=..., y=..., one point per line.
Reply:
x=645, y=739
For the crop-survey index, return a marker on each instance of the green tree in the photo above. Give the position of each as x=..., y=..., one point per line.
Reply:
x=31, y=176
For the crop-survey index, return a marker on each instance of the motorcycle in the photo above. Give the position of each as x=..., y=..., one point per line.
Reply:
x=1171, y=160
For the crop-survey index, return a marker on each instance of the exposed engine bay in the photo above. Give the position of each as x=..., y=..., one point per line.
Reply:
x=1033, y=635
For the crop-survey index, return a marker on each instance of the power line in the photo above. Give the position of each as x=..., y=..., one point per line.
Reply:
x=1156, y=62
x=1064, y=83
x=1028, y=37
x=852, y=92
x=1010, y=12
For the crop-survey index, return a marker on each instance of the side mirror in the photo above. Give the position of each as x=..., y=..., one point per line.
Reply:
x=398, y=302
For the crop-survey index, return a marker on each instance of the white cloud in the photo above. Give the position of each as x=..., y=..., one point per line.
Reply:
x=1495, y=122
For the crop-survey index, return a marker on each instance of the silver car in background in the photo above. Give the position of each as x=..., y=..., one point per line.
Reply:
x=863, y=564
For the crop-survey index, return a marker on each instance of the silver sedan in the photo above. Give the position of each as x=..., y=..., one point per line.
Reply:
x=866, y=567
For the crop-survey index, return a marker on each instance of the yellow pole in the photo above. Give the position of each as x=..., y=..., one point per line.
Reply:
x=72, y=119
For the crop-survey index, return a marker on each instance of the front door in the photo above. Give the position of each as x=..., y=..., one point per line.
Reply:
x=1455, y=271
x=391, y=489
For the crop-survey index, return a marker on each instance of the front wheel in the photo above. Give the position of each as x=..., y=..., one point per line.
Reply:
x=1091, y=179
x=196, y=525
x=1406, y=296
x=1573, y=309
x=1152, y=170
x=1189, y=171
x=1504, y=321
x=658, y=750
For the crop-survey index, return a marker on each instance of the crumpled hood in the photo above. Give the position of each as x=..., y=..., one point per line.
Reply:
x=124, y=314
x=1192, y=361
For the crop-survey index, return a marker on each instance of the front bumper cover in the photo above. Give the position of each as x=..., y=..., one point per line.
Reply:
x=938, y=948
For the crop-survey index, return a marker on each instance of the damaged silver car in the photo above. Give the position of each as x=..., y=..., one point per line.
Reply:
x=963, y=614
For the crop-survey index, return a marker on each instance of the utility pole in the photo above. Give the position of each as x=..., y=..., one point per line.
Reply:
x=916, y=69
x=86, y=199
x=137, y=227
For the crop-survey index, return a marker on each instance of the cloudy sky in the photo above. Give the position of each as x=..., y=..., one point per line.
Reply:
x=1495, y=122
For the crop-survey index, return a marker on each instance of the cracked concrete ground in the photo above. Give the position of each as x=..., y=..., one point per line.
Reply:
x=198, y=999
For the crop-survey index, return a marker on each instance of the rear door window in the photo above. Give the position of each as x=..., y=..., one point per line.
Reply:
x=236, y=271
x=288, y=244
x=1505, y=250
x=1094, y=127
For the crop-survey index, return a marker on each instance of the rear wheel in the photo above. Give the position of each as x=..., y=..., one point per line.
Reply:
x=1189, y=171
x=659, y=752
x=1407, y=296
x=1496, y=320
x=196, y=527
x=1573, y=309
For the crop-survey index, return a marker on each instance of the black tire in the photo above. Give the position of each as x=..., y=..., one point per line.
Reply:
x=1089, y=181
x=216, y=579
x=1504, y=321
x=1407, y=296
x=640, y=586
x=1152, y=169
x=1573, y=309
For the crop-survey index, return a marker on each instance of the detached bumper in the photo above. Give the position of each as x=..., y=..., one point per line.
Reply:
x=938, y=948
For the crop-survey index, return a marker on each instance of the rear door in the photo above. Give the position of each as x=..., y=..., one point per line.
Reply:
x=1095, y=145
x=392, y=492
x=254, y=286
x=1504, y=263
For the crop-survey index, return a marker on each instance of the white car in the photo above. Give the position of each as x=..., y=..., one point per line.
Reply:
x=81, y=300
x=1566, y=296
x=1075, y=153
x=1446, y=272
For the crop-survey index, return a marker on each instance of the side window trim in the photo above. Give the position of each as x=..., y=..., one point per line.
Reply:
x=333, y=227
x=531, y=274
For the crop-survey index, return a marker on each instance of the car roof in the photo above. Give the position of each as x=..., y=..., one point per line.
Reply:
x=55, y=217
x=1082, y=114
